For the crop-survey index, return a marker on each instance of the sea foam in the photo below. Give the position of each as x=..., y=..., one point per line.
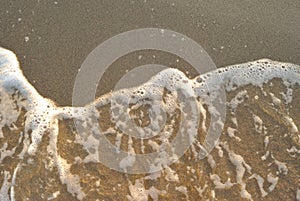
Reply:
x=159, y=120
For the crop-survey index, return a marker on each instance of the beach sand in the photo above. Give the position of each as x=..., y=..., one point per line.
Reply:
x=62, y=33
x=53, y=38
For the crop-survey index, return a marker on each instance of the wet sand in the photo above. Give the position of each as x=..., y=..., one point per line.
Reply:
x=61, y=34
x=52, y=39
x=256, y=158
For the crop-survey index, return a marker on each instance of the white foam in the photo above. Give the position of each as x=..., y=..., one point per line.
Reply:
x=273, y=181
x=258, y=124
x=282, y=168
x=241, y=166
x=201, y=190
x=260, y=182
x=275, y=100
x=220, y=151
x=42, y=114
x=137, y=191
x=4, y=195
x=267, y=141
x=171, y=175
x=54, y=195
x=293, y=150
x=265, y=156
x=231, y=133
x=218, y=184
x=6, y=153
x=211, y=161
x=238, y=99
x=182, y=189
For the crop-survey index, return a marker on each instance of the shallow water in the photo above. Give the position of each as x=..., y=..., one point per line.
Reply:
x=60, y=153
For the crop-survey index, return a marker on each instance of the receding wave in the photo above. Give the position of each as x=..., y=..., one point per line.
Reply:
x=230, y=133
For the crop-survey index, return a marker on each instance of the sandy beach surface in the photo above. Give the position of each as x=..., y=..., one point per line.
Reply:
x=62, y=33
x=257, y=156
